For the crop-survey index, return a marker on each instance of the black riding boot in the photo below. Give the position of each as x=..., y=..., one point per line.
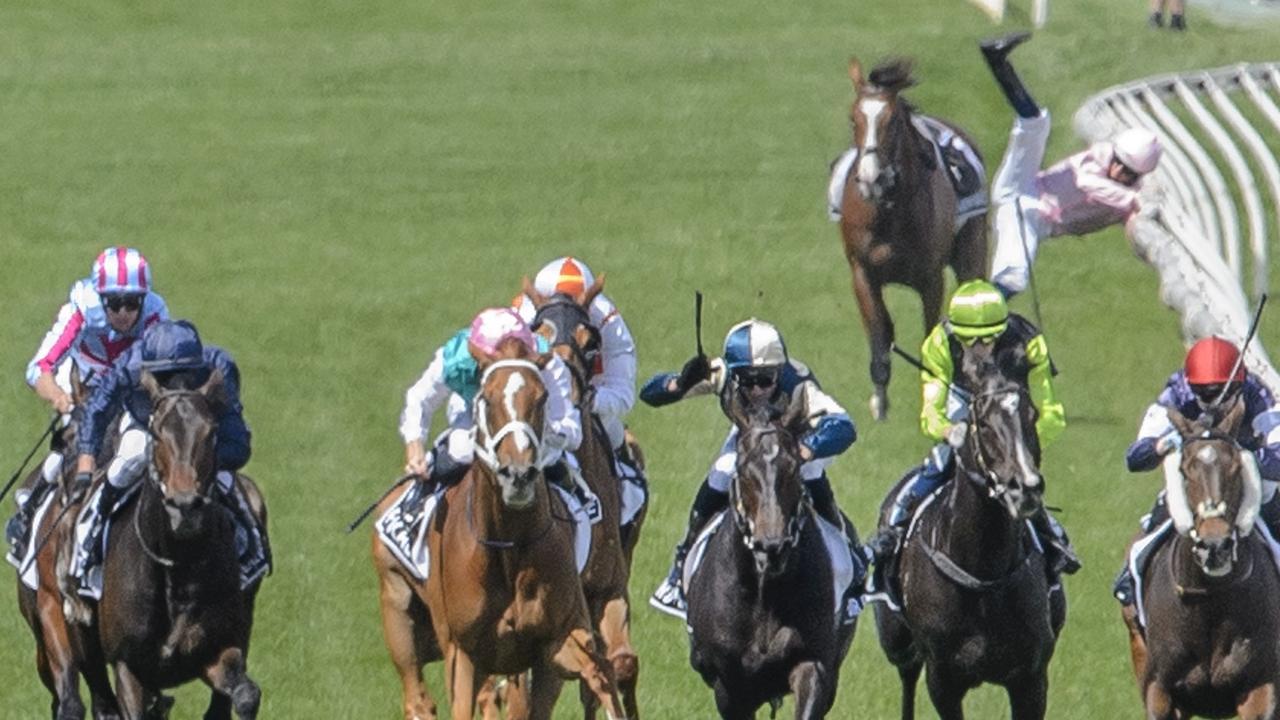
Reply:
x=243, y=518
x=1177, y=22
x=1270, y=514
x=93, y=542
x=1059, y=555
x=1123, y=587
x=18, y=530
x=669, y=597
x=996, y=51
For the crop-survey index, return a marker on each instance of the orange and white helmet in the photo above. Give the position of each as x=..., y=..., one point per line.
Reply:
x=121, y=271
x=1139, y=149
x=493, y=326
x=567, y=275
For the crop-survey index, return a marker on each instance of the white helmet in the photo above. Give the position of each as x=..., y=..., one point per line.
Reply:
x=568, y=275
x=1139, y=149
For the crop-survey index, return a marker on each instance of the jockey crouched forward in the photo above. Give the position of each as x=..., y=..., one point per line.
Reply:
x=103, y=317
x=173, y=353
x=755, y=364
x=977, y=313
x=454, y=376
x=1210, y=368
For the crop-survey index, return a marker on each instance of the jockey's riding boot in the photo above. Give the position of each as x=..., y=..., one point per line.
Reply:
x=995, y=51
x=1177, y=22
x=18, y=530
x=1060, y=557
x=669, y=597
x=931, y=475
x=93, y=550
x=1123, y=588
x=1159, y=513
x=1270, y=514
x=243, y=518
x=1156, y=20
x=446, y=471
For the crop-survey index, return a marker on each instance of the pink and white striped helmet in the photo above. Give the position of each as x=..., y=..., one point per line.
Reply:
x=121, y=271
x=494, y=325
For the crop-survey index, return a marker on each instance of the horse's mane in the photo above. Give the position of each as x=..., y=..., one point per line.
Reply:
x=893, y=74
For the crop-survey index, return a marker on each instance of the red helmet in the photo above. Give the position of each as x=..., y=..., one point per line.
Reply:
x=1210, y=362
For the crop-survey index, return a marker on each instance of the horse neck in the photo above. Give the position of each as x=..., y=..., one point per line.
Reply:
x=978, y=533
x=492, y=522
x=1188, y=575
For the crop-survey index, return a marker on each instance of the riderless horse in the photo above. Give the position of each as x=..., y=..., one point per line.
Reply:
x=1208, y=640
x=503, y=595
x=976, y=604
x=763, y=614
x=172, y=606
x=566, y=323
x=899, y=217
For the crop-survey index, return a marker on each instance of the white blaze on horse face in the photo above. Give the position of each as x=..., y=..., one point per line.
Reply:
x=1026, y=463
x=869, y=160
x=515, y=383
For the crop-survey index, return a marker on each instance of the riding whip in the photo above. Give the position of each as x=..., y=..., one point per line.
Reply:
x=920, y=366
x=47, y=431
x=399, y=481
x=1253, y=328
x=697, y=320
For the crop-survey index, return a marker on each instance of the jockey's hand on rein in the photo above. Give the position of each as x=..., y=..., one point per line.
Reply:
x=79, y=487
x=697, y=369
x=1168, y=443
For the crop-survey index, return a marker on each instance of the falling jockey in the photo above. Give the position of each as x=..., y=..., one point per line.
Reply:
x=755, y=364
x=1210, y=369
x=977, y=313
x=103, y=317
x=172, y=352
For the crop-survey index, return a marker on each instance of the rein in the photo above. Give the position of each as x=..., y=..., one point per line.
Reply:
x=142, y=541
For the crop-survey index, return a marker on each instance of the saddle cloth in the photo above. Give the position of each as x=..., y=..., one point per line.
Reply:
x=844, y=567
x=27, y=570
x=1145, y=547
x=964, y=168
x=405, y=534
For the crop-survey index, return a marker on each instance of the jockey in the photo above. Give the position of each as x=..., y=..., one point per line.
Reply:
x=105, y=313
x=977, y=313
x=173, y=353
x=1081, y=194
x=755, y=364
x=453, y=376
x=614, y=375
x=1211, y=365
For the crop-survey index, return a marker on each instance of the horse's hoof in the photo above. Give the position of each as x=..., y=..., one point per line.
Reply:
x=879, y=407
x=245, y=699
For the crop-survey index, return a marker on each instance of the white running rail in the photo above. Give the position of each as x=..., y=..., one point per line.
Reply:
x=1216, y=167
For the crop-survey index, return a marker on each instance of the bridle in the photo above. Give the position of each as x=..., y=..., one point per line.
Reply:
x=886, y=180
x=984, y=474
x=746, y=526
x=153, y=477
x=562, y=315
x=486, y=446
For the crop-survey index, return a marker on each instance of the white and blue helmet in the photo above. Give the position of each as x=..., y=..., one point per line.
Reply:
x=754, y=344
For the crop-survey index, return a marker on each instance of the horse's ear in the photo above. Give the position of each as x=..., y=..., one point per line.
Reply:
x=796, y=417
x=736, y=409
x=78, y=391
x=855, y=72
x=482, y=359
x=1185, y=427
x=589, y=295
x=150, y=384
x=532, y=293
x=1230, y=422
x=215, y=389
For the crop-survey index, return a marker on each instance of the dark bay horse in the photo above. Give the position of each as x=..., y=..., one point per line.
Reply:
x=64, y=650
x=503, y=595
x=762, y=610
x=976, y=604
x=898, y=213
x=172, y=609
x=1211, y=645
x=566, y=323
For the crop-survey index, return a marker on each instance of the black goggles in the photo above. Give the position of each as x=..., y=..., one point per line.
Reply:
x=1209, y=393
x=758, y=379
x=116, y=303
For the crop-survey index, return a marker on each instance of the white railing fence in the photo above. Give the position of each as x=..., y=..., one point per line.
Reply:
x=1190, y=228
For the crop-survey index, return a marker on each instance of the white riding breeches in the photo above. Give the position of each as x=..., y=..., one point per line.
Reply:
x=132, y=455
x=726, y=463
x=1018, y=234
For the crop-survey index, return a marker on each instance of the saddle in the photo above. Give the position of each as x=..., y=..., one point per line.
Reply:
x=964, y=168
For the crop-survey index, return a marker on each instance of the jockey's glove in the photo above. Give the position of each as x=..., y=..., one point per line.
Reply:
x=697, y=369
x=1168, y=443
x=954, y=434
x=79, y=487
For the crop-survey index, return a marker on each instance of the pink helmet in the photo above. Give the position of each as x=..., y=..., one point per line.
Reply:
x=565, y=275
x=121, y=271
x=494, y=325
x=1139, y=149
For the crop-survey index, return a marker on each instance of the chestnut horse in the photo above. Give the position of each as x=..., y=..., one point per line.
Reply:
x=172, y=607
x=976, y=602
x=566, y=323
x=1211, y=641
x=898, y=214
x=503, y=595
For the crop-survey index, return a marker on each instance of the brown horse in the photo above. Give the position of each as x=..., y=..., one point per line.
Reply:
x=64, y=650
x=566, y=323
x=503, y=595
x=172, y=608
x=898, y=213
x=1211, y=641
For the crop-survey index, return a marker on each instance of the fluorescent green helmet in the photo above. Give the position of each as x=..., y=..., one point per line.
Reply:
x=977, y=310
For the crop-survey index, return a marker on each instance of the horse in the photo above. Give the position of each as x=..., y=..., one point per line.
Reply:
x=898, y=213
x=64, y=650
x=566, y=323
x=762, y=612
x=1211, y=641
x=172, y=609
x=976, y=605
x=503, y=595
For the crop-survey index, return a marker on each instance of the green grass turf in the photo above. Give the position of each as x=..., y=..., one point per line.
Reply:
x=330, y=189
